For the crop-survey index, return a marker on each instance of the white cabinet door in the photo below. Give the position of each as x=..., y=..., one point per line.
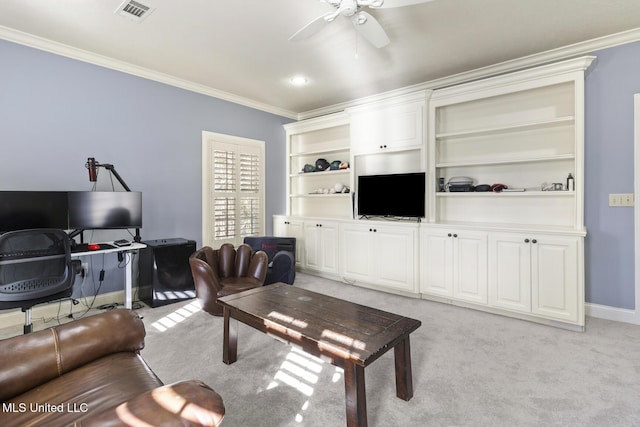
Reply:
x=321, y=246
x=290, y=227
x=379, y=254
x=510, y=272
x=537, y=274
x=470, y=266
x=329, y=246
x=554, y=284
x=394, y=260
x=388, y=128
x=356, y=243
x=312, y=246
x=454, y=264
x=436, y=267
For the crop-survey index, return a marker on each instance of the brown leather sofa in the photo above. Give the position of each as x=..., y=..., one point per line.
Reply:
x=89, y=372
x=225, y=271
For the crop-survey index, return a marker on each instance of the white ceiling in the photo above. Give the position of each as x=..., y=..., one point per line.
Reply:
x=241, y=47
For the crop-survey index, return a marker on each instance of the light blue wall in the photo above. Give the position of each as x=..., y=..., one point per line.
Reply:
x=55, y=112
x=611, y=83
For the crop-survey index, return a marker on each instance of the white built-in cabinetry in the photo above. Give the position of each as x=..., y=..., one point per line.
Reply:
x=388, y=126
x=514, y=253
x=310, y=194
x=389, y=136
x=524, y=130
x=320, y=241
x=380, y=254
x=537, y=274
x=454, y=263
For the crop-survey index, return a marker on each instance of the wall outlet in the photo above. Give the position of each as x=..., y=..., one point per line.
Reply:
x=619, y=200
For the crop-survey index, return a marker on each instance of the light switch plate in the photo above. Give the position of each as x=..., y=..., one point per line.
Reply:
x=621, y=200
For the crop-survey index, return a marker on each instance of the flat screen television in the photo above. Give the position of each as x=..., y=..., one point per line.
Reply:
x=94, y=210
x=20, y=210
x=394, y=195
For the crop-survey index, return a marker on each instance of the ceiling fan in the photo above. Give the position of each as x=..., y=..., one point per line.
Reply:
x=363, y=22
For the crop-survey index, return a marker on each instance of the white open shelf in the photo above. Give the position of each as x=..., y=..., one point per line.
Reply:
x=560, y=121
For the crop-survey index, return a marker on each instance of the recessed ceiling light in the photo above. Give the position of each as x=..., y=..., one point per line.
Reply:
x=298, y=80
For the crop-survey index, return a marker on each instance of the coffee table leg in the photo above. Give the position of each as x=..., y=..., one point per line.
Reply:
x=230, y=343
x=355, y=395
x=404, y=380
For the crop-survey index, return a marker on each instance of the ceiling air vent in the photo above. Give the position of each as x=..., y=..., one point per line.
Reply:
x=134, y=10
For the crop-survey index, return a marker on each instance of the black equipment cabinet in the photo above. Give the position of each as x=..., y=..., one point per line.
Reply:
x=165, y=275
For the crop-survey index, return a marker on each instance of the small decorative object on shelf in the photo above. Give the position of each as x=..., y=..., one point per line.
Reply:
x=554, y=186
x=322, y=165
x=337, y=189
x=570, y=183
x=338, y=164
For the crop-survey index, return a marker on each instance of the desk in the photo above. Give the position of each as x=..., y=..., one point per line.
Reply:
x=128, y=279
x=349, y=335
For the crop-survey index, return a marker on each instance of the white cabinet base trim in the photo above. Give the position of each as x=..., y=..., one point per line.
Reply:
x=511, y=314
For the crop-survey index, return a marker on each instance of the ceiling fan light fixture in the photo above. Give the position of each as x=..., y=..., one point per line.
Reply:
x=366, y=24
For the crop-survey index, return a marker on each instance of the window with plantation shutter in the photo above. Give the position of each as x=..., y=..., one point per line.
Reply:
x=233, y=189
x=249, y=194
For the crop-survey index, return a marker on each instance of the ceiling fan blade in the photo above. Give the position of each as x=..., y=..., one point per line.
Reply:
x=388, y=4
x=370, y=29
x=311, y=28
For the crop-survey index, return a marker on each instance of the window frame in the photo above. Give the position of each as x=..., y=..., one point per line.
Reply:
x=212, y=142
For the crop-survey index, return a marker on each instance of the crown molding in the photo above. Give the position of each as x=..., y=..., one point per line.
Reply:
x=566, y=52
x=61, y=49
x=562, y=53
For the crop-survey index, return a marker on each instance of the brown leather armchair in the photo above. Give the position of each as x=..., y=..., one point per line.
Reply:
x=226, y=271
x=89, y=372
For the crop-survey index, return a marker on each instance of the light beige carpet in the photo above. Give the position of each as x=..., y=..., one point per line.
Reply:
x=470, y=369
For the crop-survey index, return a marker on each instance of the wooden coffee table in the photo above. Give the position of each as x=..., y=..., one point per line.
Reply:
x=348, y=335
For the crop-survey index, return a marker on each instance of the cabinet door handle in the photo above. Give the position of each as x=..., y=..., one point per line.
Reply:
x=526, y=240
x=534, y=241
x=371, y=229
x=449, y=235
x=455, y=235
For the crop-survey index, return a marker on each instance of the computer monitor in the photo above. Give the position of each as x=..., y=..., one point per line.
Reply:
x=20, y=210
x=105, y=209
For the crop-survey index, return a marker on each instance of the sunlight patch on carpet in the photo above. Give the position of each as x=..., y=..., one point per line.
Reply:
x=300, y=371
x=177, y=316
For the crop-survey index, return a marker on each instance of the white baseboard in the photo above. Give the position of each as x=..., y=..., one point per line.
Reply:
x=612, y=313
x=59, y=309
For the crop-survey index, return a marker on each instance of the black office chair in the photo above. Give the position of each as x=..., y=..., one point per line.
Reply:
x=35, y=267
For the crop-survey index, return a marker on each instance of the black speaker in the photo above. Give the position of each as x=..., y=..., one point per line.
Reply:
x=165, y=275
